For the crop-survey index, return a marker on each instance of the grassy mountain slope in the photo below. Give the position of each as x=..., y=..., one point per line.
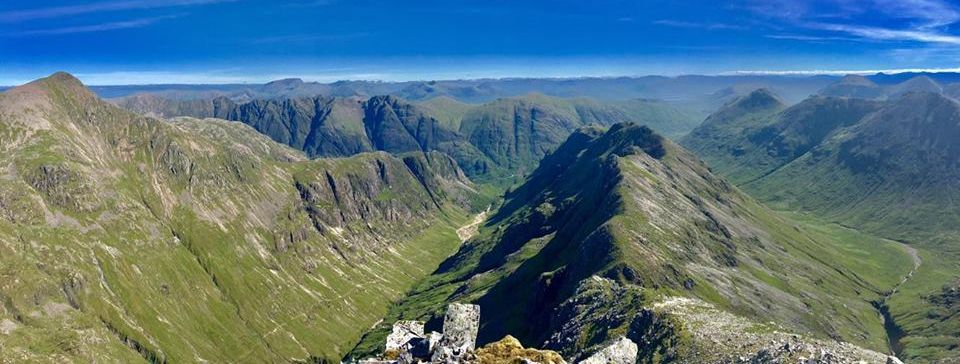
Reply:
x=630, y=206
x=447, y=110
x=755, y=143
x=889, y=173
x=722, y=134
x=125, y=237
x=888, y=168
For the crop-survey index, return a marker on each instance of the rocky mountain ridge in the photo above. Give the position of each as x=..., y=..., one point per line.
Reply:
x=615, y=220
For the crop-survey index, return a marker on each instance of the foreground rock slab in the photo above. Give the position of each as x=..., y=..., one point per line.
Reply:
x=622, y=351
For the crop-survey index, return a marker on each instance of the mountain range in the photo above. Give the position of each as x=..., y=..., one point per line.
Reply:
x=692, y=88
x=491, y=141
x=302, y=228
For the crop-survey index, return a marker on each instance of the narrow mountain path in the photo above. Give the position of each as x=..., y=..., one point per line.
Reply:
x=917, y=261
x=468, y=231
x=894, y=332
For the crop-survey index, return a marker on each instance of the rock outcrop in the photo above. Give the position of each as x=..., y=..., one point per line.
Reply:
x=460, y=327
x=403, y=333
x=622, y=351
x=457, y=344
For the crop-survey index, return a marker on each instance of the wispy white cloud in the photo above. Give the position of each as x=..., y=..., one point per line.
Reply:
x=924, y=21
x=710, y=26
x=101, y=27
x=926, y=13
x=887, y=34
x=16, y=16
x=809, y=38
x=839, y=72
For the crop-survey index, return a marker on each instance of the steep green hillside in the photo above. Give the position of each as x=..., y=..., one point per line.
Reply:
x=722, y=133
x=890, y=173
x=632, y=207
x=891, y=169
x=516, y=133
x=744, y=144
x=447, y=110
x=669, y=120
x=125, y=237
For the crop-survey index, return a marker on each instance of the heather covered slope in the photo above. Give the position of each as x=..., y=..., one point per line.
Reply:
x=125, y=237
x=628, y=205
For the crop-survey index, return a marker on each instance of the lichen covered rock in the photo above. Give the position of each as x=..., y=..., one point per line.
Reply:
x=460, y=327
x=509, y=351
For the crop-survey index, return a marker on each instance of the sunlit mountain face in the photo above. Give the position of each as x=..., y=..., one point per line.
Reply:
x=245, y=181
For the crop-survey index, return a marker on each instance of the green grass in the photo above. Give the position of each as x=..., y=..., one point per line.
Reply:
x=928, y=333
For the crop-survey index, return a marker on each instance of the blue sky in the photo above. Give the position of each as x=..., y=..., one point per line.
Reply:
x=221, y=41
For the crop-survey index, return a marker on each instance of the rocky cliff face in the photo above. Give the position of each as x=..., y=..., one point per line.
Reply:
x=125, y=238
x=494, y=142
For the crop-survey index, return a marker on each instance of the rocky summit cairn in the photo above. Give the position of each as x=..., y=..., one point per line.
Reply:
x=407, y=344
x=622, y=351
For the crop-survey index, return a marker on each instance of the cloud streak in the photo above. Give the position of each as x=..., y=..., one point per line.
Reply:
x=840, y=72
x=102, y=27
x=887, y=34
x=709, y=26
x=928, y=13
x=18, y=16
x=924, y=21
